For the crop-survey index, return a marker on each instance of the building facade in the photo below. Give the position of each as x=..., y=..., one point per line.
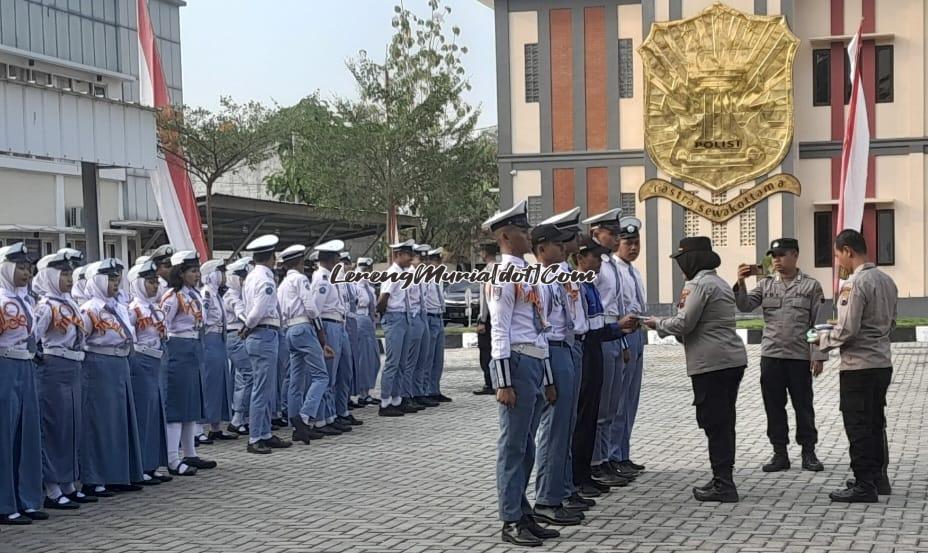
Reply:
x=571, y=130
x=72, y=66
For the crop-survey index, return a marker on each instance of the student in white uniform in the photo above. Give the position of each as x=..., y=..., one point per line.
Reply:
x=435, y=309
x=393, y=307
x=235, y=346
x=217, y=382
x=368, y=349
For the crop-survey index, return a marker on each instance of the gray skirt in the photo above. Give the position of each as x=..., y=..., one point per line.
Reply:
x=110, y=451
x=58, y=381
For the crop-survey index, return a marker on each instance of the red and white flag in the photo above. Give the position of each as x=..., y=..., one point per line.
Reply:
x=170, y=182
x=856, y=149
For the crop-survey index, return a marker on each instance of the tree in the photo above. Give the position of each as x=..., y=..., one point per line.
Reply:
x=407, y=142
x=212, y=144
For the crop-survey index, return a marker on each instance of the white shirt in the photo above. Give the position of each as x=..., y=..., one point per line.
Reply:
x=414, y=293
x=59, y=324
x=105, y=329
x=214, y=316
x=577, y=310
x=435, y=298
x=607, y=283
x=349, y=301
x=556, y=312
x=398, y=295
x=328, y=296
x=259, y=294
x=234, y=308
x=632, y=288
x=19, y=311
x=296, y=297
x=366, y=300
x=148, y=321
x=183, y=311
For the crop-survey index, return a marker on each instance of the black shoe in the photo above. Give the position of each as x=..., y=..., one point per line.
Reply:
x=517, y=533
x=56, y=504
x=276, y=443
x=302, y=432
x=82, y=498
x=882, y=486
x=602, y=475
x=718, y=492
x=406, y=408
x=484, y=392
x=390, y=411
x=149, y=482
x=538, y=530
x=300, y=436
x=558, y=515
x=239, y=430
x=342, y=427
x=588, y=491
x=313, y=433
x=36, y=515
x=280, y=422
x=576, y=503
x=163, y=477
x=258, y=447
x=426, y=401
x=442, y=398
x=89, y=491
x=203, y=439
x=21, y=520
x=623, y=470
x=220, y=435
x=779, y=462
x=413, y=404
x=183, y=469
x=124, y=487
x=201, y=464
x=349, y=420
x=577, y=498
x=633, y=465
x=328, y=430
x=810, y=461
x=708, y=486
x=353, y=404
x=862, y=492
x=371, y=401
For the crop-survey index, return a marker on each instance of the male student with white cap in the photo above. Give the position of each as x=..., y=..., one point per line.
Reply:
x=393, y=306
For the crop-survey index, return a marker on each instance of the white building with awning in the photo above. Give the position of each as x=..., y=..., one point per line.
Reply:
x=75, y=145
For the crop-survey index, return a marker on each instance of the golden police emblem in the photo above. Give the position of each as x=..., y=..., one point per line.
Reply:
x=719, y=96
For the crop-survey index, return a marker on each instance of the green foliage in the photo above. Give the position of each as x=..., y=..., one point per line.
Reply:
x=408, y=141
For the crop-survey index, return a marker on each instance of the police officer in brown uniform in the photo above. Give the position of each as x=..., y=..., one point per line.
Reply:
x=866, y=316
x=715, y=358
x=791, y=302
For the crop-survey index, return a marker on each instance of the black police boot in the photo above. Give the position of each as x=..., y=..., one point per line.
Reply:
x=707, y=486
x=517, y=533
x=810, y=460
x=538, y=530
x=882, y=485
x=722, y=490
x=557, y=515
x=779, y=461
x=862, y=492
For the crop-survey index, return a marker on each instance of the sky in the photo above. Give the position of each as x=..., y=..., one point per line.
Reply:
x=282, y=50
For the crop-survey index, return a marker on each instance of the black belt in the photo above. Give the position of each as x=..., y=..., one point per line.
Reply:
x=580, y=337
x=332, y=320
x=558, y=343
x=269, y=327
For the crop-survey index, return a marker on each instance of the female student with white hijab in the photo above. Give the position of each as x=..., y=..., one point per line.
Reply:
x=217, y=382
x=110, y=455
x=20, y=434
x=147, y=321
x=181, y=373
x=60, y=329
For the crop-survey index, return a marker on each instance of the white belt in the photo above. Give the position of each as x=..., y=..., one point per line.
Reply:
x=65, y=353
x=191, y=334
x=332, y=315
x=270, y=321
x=297, y=321
x=214, y=330
x=609, y=319
x=234, y=328
x=21, y=354
x=530, y=350
x=113, y=351
x=352, y=315
x=150, y=352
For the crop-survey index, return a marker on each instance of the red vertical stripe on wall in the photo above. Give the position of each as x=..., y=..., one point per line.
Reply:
x=837, y=17
x=597, y=190
x=563, y=190
x=837, y=92
x=562, y=81
x=594, y=53
x=868, y=66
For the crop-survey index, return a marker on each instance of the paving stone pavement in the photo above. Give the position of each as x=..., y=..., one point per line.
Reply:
x=425, y=483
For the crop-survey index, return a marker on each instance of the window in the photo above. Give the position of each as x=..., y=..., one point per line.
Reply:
x=626, y=68
x=63, y=83
x=99, y=91
x=885, y=237
x=535, y=210
x=628, y=204
x=884, y=74
x=719, y=230
x=16, y=73
x=40, y=78
x=823, y=231
x=821, y=77
x=531, y=73
x=690, y=223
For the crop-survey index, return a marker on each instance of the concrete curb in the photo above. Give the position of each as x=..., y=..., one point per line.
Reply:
x=752, y=336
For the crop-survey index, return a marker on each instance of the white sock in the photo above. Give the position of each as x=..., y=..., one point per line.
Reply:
x=145, y=477
x=384, y=403
x=187, y=435
x=99, y=489
x=320, y=424
x=397, y=401
x=173, y=432
x=304, y=418
x=53, y=491
x=237, y=420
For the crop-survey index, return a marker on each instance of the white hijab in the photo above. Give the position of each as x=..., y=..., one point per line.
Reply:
x=46, y=281
x=96, y=284
x=80, y=284
x=212, y=280
x=6, y=276
x=137, y=286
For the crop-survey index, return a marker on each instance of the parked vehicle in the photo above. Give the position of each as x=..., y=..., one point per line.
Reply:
x=456, y=302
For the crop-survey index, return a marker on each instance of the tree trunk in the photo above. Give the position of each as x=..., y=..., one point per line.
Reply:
x=209, y=219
